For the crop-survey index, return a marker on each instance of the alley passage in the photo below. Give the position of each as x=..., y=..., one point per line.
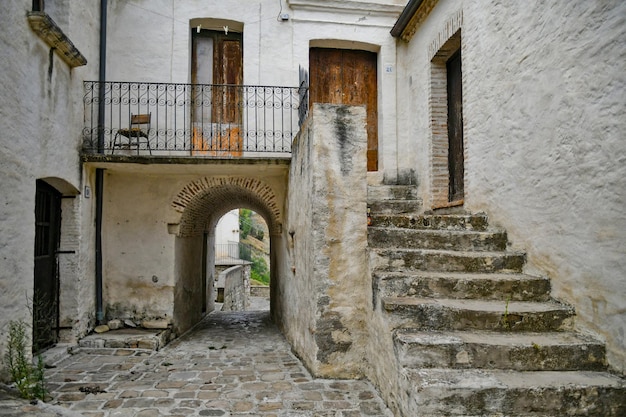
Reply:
x=231, y=364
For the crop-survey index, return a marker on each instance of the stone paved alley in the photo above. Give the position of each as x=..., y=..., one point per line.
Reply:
x=231, y=364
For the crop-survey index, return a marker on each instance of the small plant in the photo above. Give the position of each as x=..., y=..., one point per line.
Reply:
x=505, y=316
x=28, y=379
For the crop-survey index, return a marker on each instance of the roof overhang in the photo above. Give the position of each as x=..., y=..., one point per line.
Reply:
x=415, y=12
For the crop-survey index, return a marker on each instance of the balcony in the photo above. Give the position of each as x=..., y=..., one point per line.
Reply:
x=191, y=120
x=232, y=253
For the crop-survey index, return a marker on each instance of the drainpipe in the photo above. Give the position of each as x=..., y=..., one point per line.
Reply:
x=100, y=171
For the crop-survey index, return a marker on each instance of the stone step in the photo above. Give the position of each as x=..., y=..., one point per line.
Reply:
x=477, y=222
x=392, y=192
x=394, y=207
x=455, y=314
x=531, y=351
x=446, y=392
x=461, y=240
x=493, y=286
x=445, y=261
x=127, y=338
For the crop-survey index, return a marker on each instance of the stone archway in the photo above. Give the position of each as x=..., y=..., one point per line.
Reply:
x=201, y=203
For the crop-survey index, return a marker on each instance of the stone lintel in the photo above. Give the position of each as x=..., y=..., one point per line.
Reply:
x=51, y=33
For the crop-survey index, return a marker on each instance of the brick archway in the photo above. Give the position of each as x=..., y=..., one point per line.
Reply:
x=202, y=202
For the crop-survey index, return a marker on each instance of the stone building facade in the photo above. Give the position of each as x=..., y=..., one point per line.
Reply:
x=541, y=153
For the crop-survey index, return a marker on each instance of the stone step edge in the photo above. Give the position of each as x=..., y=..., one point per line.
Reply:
x=107, y=351
x=445, y=252
x=415, y=220
x=487, y=379
x=492, y=276
x=452, y=232
x=503, y=286
x=471, y=392
x=463, y=314
x=522, y=351
x=487, y=306
x=535, y=340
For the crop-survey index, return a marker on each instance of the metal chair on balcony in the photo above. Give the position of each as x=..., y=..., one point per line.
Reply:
x=139, y=128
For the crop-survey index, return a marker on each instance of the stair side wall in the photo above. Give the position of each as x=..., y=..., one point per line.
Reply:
x=326, y=291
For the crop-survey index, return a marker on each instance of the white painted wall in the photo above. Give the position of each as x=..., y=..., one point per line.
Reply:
x=151, y=41
x=543, y=95
x=40, y=132
x=227, y=229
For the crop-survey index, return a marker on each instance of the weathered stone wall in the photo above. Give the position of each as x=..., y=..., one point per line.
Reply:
x=187, y=289
x=236, y=288
x=40, y=125
x=325, y=294
x=543, y=88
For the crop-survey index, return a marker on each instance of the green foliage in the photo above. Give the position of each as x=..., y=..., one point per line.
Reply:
x=259, y=270
x=245, y=224
x=28, y=379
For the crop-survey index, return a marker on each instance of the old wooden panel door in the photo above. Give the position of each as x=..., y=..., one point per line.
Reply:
x=217, y=62
x=345, y=76
x=455, y=128
x=46, y=288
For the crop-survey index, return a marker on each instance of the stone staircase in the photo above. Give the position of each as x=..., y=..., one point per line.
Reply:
x=473, y=335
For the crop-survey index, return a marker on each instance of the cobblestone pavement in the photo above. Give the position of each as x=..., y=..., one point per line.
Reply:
x=231, y=364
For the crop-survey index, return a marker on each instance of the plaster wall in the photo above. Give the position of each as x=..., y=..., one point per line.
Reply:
x=138, y=250
x=227, y=229
x=327, y=291
x=40, y=125
x=543, y=95
x=187, y=291
x=151, y=268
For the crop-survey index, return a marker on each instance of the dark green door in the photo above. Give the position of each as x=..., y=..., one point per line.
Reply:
x=46, y=291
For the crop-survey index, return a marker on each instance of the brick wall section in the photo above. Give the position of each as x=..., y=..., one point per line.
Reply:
x=446, y=43
x=216, y=194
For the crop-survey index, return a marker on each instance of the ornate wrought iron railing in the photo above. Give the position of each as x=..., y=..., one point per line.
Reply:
x=203, y=120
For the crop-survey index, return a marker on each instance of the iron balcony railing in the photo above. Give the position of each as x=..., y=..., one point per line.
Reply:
x=232, y=252
x=203, y=120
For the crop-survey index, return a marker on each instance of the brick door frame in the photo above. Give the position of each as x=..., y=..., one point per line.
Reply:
x=447, y=43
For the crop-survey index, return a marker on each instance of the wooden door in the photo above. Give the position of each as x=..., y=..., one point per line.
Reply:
x=46, y=285
x=455, y=128
x=217, y=64
x=344, y=76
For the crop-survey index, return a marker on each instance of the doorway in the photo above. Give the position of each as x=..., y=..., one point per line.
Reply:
x=346, y=76
x=455, y=128
x=46, y=276
x=217, y=72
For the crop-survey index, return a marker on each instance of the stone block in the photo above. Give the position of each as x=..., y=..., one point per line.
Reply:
x=101, y=329
x=115, y=324
x=155, y=324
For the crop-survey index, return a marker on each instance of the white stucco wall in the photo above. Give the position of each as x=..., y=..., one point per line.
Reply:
x=227, y=229
x=543, y=96
x=40, y=125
